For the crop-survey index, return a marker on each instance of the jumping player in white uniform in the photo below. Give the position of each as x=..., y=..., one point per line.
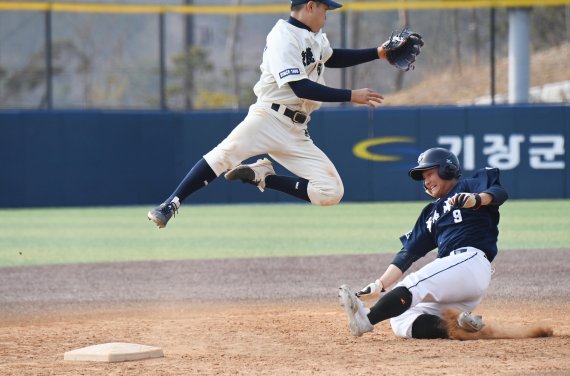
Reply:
x=462, y=223
x=290, y=88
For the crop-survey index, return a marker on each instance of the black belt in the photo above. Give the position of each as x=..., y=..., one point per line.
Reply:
x=296, y=116
x=463, y=250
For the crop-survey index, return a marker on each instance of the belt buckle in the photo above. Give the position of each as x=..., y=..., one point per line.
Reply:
x=459, y=250
x=299, y=117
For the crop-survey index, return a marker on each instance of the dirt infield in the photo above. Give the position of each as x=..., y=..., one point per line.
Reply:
x=266, y=316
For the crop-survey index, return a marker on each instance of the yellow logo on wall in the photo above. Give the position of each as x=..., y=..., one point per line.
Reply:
x=362, y=149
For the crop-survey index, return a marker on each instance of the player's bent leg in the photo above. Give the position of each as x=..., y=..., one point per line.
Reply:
x=292, y=185
x=402, y=325
x=198, y=177
x=391, y=304
x=325, y=193
x=305, y=160
x=255, y=135
x=224, y=156
x=428, y=326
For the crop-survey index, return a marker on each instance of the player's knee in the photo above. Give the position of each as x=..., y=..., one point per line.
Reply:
x=325, y=195
x=222, y=157
x=429, y=327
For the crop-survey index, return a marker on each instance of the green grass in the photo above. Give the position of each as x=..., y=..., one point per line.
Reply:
x=49, y=236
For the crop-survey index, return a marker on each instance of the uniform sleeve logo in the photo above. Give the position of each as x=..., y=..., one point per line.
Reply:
x=288, y=72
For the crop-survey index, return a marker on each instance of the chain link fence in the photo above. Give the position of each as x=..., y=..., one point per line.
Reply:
x=177, y=61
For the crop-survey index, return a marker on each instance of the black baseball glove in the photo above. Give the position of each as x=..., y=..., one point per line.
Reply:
x=401, y=49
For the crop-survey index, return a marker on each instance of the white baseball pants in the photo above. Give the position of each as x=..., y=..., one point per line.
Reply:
x=265, y=131
x=457, y=281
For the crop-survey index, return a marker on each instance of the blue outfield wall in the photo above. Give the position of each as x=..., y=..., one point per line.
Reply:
x=77, y=158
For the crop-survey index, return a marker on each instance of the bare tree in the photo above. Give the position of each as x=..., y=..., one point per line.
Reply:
x=457, y=38
x=32, y=75
x=195, y=57
x=474, y=28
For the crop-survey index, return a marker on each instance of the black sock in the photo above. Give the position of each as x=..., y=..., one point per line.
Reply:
x=198, y=177
x=392, y=304
x=429, y=327
x=293, y=186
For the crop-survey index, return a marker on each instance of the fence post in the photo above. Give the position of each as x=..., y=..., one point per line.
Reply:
x=519, y=55
x=343, y=38
x=188, y=72
x=492, y=34
x=161, y=59
x=48, y=57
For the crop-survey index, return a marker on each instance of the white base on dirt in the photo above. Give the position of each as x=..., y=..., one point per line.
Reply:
x=114, y=352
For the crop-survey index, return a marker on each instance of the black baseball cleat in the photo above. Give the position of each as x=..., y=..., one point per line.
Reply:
x=254, y=173
x=162, y=214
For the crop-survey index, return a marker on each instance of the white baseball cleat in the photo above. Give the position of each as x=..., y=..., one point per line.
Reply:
x=254, y=173
x=358, y=322
x=470, y=322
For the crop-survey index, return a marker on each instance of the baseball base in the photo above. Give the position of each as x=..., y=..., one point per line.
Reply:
x=114, y=352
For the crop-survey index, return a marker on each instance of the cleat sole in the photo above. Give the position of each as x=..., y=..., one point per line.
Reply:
x=241, y=173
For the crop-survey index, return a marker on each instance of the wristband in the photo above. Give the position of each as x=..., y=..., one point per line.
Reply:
x=477, y=201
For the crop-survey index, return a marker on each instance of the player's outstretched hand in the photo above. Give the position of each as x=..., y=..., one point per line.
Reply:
x=466, y=200
x=366, y=96
x=371, y=290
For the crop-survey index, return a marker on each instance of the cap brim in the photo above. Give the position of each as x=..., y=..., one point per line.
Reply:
x=416, y=173
x=331, y=4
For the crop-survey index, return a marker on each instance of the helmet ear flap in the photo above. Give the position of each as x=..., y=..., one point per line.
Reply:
x=448, y=171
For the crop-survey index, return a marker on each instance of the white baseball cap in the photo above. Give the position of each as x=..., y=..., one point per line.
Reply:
x=330, y=3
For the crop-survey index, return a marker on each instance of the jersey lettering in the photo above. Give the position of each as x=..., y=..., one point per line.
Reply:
x=435, y=216
x=307, y=56
x=447, y=205
x=429, y=222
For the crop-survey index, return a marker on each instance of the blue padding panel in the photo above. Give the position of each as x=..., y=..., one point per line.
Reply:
x=70, y=158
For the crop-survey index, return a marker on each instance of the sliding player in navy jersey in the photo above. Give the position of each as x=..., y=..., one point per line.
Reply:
x=462, y=223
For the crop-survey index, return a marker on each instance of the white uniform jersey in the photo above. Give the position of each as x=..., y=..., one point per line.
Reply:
x=291, y=54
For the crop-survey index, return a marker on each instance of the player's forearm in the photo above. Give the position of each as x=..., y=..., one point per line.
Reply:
x=308, y=89
x=390, y=276
x=342, y=58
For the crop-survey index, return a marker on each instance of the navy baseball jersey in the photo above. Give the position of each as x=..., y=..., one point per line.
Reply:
x=446, y=228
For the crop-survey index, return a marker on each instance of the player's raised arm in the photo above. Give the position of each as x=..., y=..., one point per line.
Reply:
x=401, y=50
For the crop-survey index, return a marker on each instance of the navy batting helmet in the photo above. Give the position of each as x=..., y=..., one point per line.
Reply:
x=437, y=157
